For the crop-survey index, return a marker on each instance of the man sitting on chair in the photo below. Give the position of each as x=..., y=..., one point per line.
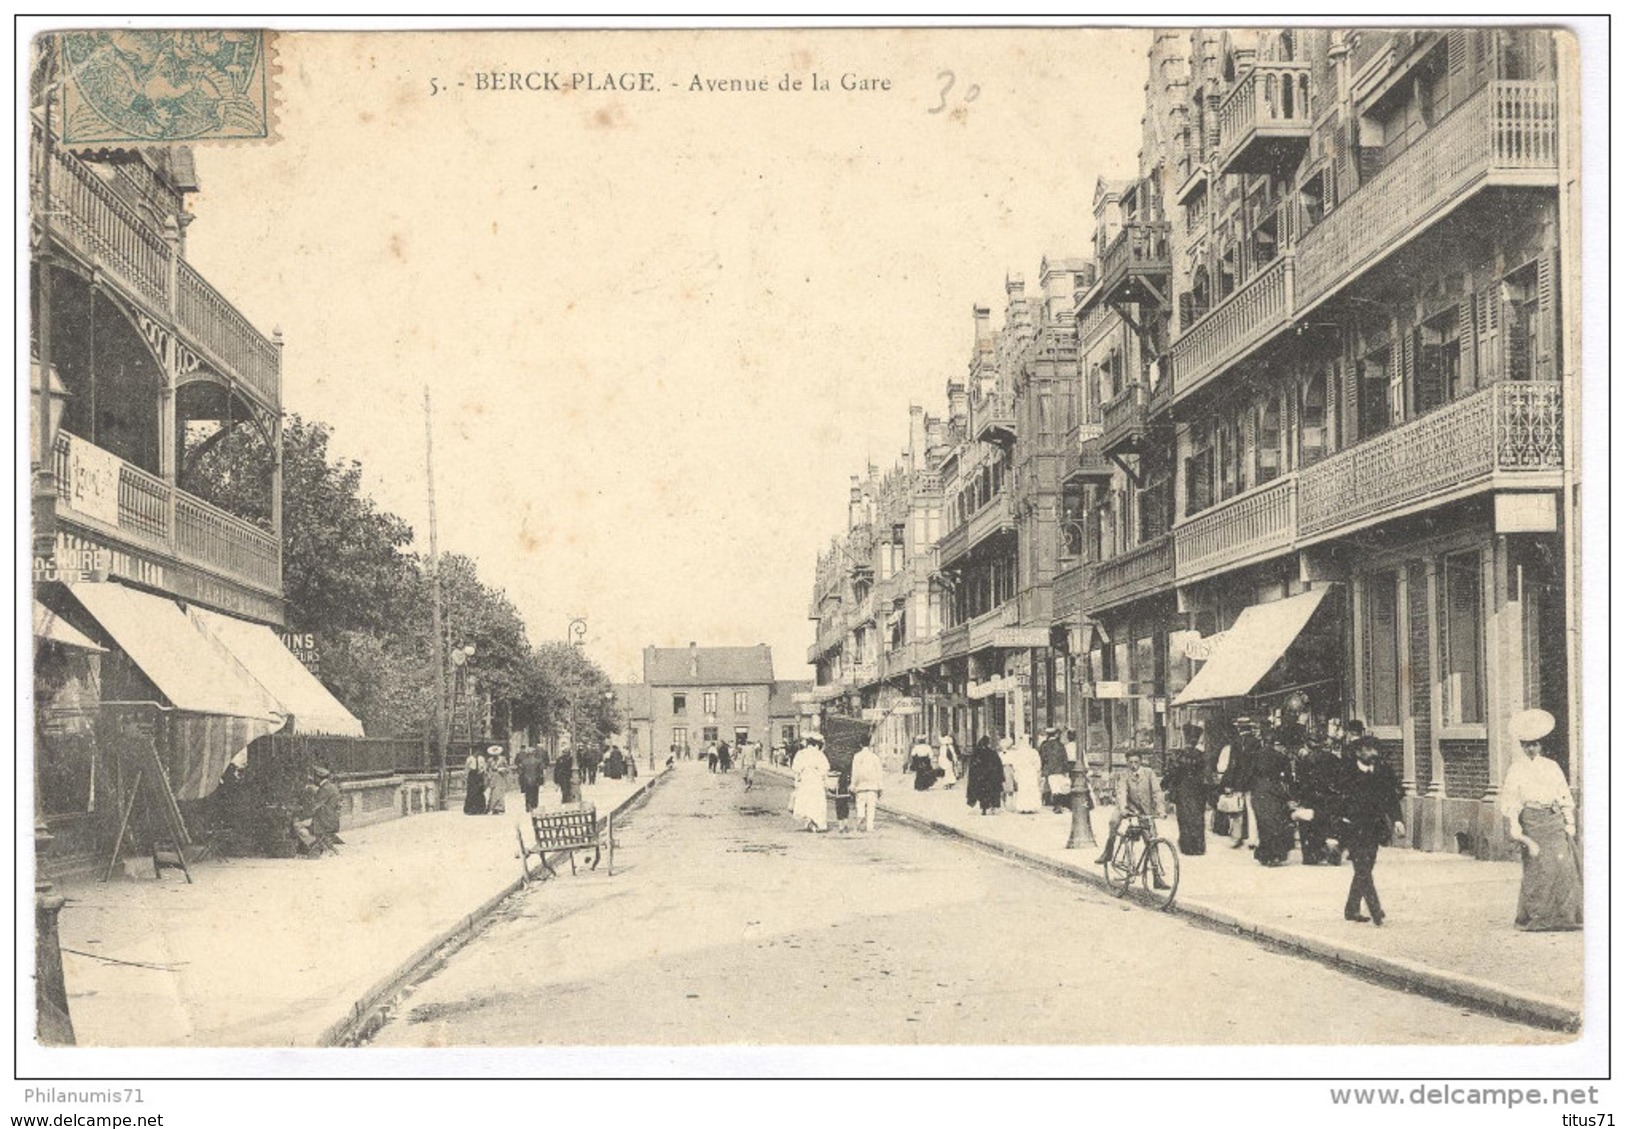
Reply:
x=319, y=829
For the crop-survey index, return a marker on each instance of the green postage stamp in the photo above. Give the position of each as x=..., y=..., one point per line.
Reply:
x=161, y=86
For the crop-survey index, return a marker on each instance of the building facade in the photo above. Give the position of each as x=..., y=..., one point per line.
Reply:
x=694, y=695
x=1320, y=355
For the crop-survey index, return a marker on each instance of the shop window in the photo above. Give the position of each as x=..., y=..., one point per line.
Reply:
x=679, y=705
x=1382, y=663
x=1463, y=640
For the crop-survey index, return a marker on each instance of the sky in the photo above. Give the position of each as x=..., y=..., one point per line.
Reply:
x=659, y=328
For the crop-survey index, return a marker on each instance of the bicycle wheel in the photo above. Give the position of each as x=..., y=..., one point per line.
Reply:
x=1121, y=866
x=1163, y=865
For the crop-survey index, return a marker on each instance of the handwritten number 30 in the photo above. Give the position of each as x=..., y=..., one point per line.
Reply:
x=947, y=79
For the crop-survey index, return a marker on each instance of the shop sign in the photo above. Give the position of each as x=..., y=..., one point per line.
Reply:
x=906, y=707
x=1111, y=689
x=73, y=565
x=92, y=485
x=873, y=713
x=1200, y=648
x=306, y=646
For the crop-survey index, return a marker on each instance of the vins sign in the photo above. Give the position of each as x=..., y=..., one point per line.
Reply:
x=306, y=647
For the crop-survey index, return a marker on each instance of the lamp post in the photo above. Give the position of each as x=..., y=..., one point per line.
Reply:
x=575, y=633
x=460, y=657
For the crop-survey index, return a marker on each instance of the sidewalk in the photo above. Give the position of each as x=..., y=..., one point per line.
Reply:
x=280, y=952
x=1449, y=930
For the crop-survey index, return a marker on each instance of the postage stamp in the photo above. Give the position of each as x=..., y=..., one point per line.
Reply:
x=161, y=86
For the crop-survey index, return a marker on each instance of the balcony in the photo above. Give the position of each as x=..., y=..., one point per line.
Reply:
x=93, y=223
x=1503, y=136
x=1509, y=435
x=1086, y=456
x=956, y=641
x=1140, y=572
x=1124, y=423
x=1250, y=527
x=1194, y=180
x=993, y=419
x=1237, y=325
x=1135, y=266
x=954, y=545
x=101, y=494
x=1073, y=589
x=1264, y=121
x=928, y=651
x=986, y=629
x=992, y=519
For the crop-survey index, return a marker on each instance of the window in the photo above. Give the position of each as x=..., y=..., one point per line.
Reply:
x=1312, y=199
x=1521, y=306
x=787, y=733
x=1199, y=473
x=1463, y=640
x=1374, y=392
x=679, y=739
x=708, y=734
x=1311, y=421
x=1267, y=457
x=679, y=705
x=1382, y=649
x=1438, y=363
x=741, y=701
x=741, y=735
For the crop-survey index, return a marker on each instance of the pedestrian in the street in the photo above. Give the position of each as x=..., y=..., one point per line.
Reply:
x=1319, y=772
x=474, y=785
x=1539, y=810
x=810, y=800
x=1028, y=769
x=563, y=769
x=591, y=757
x=1272, y=796
x=496, y=780
x=711, y=755
x=923, y=765
x=866, y=785
x=984, y=779
x=1137, y=793
x=749, y=757
x=947, y=768
x=1238, y=762
x=529, y=768
x=1008, y=787
x=949, y=760
x=724, y=757
x=1368, y=818
x=1057, y=778
x=615, y=764
x=1185, y=783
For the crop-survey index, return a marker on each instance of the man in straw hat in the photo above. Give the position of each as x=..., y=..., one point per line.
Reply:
x=1539, y=810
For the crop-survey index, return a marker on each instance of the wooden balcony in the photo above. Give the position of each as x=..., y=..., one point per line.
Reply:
x=1136, y=265
x=993, y=419
x=994, y=518
x=1086, y=456
x=93, y=224
x=1193, y=179
x=1140, y=572
x=1074, y=592
x=1503, y=136
x=928, y=651
x=1124, y=421
x=985, y=630
x=1264, y=121
x=113, y=501
x=956, y=641
x=1233, y=328
x=1507, y=435
x=1242, y=530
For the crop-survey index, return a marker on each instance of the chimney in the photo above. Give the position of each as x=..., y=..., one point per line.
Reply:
x=958, y=401
x=916, y=436
x=854, y=505
x=693, y=660
x=983, y=333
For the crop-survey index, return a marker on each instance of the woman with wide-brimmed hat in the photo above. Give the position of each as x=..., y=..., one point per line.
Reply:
x=1539, y=810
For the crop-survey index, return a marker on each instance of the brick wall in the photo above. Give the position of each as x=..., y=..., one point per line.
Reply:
x=1421, y=700
x=1466, y=768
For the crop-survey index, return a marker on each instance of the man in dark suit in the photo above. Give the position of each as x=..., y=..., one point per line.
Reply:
x=1367, y=818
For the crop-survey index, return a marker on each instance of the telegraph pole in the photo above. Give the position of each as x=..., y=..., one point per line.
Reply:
x=442, y=736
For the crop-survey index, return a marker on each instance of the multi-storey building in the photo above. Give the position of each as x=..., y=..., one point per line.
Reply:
x=694, y=695
x=1319, y=453
x=154, y=608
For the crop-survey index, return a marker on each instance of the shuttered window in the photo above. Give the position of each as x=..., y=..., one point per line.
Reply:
x=1382, y=648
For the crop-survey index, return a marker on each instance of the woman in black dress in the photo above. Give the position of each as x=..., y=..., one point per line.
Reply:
x=474, y=786
x=984, y=783
x=1272, y=798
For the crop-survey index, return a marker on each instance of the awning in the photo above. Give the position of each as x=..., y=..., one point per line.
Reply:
x=53, y=629
x=185, y=666
x=283, y=676
x=1248, y=651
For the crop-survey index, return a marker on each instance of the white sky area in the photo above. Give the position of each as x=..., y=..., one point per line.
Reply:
x=660, y=329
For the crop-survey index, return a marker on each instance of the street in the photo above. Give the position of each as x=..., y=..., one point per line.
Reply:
x=724, y=923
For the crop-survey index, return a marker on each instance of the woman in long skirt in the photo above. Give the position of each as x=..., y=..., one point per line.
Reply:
x=984, y=780
x=1272, y=804
x=1186, y=782
x=810, y=801
x=1539, y=810
x=474, y=785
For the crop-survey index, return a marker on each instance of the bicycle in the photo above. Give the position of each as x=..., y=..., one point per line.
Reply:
x=1142, y=852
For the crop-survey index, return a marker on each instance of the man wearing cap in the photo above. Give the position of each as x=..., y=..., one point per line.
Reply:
x=1137, y=794
x=1052, y=762
x=1367, y=819
x=1539, y=810
x=319, y=828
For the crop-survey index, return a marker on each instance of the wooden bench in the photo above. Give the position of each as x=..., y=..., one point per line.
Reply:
x=570, y=828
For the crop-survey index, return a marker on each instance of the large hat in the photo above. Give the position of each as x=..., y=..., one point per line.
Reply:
x=816, y=737
x=1051, y=729
x=1531, y=725
x=494, y=751
x=320, y=773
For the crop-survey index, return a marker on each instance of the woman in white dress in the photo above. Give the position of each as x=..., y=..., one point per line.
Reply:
x=1029, y=772
x=945, y=761
x=810, y=801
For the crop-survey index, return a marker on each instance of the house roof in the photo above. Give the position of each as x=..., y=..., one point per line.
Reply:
x=708, y=666
x=782, y=702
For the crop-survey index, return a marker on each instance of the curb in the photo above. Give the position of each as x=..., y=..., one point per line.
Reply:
x=1450, y=987
x=363, y=1010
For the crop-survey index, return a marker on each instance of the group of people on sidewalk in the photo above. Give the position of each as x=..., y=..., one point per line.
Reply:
x=488, y=776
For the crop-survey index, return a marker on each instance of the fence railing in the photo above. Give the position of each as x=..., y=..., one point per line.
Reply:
x=1242, y=320
x=1238, y=530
